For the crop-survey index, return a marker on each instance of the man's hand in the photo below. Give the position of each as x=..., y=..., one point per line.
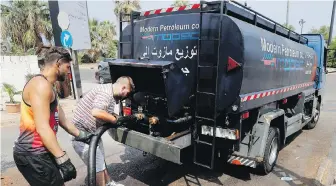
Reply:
x=68, y=170
x=153, y=120
x=139, y=116
x=122, y=120
x=84, y=137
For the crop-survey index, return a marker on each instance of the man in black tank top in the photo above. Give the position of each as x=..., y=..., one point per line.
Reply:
x=36, y=152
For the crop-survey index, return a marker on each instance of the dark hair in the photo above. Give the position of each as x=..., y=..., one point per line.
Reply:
x=48, y=55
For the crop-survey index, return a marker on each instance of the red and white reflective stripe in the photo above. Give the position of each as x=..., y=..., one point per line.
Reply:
x=274, y=92
x=170, y=9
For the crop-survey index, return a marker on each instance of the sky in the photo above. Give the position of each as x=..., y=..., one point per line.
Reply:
x=316, y=13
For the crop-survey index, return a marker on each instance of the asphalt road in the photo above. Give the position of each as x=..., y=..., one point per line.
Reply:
x=299, y=160
x=87, y=79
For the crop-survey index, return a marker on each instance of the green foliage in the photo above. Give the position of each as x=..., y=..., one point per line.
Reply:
x=80, y=56
x=333, y=43
x=102, y=40
x=178, y=3
x=324, y=30
x=29, y=76
x=112, y=49
x=125, y=7
x=11, y=91
x=331, y=61
x=290, y=27
x=87, y=58
x=23, y=22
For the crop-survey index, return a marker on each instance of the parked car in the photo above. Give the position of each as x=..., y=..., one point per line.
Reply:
x=102, y=75
x=104, y=63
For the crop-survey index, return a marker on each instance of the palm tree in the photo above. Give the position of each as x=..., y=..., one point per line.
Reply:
x=125, y=7
x=178, y=3
x=102, y=39
x=106, y=31
x=25, y=23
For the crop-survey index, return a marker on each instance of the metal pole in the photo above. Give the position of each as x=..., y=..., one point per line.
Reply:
x=72, y=84
x=301, y=22
x=73, y=74
x=287, y=13
x=120, y=35
x=331, y=23
x=76, y=75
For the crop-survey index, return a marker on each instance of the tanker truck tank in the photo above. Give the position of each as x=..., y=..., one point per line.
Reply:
x=218, y=78
x=256, y=67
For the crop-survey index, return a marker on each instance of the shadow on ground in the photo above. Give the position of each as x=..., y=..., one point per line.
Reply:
x=151, y=170
x=296, y=179
x=136, y=169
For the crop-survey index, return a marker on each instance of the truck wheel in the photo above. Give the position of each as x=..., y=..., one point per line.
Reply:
x=271, y=151
x=315, y=118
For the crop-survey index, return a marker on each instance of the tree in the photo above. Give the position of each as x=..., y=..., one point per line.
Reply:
x=125, y=7
x=24, y=23
x=333, y=44
x=332, y=54
x=178, y=3
x=323, y=30
x=102, y=41
x=290, y=27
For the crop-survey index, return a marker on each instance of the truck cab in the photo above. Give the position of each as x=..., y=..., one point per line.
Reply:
x=317, y=42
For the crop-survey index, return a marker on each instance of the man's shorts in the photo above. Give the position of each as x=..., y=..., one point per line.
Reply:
x=82, y=149
x=38, y=169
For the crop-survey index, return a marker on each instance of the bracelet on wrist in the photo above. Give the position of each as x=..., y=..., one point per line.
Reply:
x=62, y=159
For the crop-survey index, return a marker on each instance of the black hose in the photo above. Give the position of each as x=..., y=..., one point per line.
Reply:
x=91, y=169
x=177, y=121
x=180, y=120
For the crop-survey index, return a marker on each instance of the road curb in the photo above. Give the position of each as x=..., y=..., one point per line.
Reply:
x=323, y=172
x=326, y=174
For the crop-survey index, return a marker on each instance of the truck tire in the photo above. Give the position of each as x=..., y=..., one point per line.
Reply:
x=271, y=151
x=315, y=118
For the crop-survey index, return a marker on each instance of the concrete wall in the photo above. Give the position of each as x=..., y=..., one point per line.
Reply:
x=13, y=71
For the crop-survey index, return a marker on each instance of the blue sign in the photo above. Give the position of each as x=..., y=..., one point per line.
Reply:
x=66, y=39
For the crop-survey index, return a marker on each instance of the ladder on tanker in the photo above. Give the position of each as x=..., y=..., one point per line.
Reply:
x=210, y=121
x=132, y=16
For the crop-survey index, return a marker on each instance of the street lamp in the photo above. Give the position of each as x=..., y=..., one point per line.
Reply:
x=301, y=22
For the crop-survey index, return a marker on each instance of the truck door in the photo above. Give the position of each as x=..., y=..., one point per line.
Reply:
x=315, y=41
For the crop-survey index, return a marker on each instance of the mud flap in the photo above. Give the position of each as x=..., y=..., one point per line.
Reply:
x=254, y=150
